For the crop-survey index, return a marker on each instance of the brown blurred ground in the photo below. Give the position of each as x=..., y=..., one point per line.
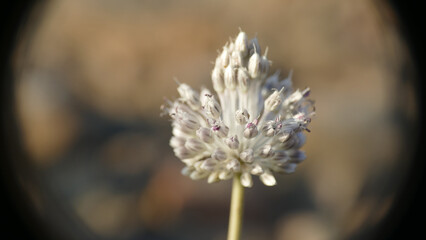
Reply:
x=94, y=73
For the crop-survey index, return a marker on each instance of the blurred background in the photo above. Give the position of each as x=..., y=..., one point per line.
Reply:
x=92, y=74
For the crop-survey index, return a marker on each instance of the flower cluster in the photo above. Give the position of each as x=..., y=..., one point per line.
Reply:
x=255, y=125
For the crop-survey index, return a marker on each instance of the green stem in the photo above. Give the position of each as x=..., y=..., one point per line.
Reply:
x=236, y=211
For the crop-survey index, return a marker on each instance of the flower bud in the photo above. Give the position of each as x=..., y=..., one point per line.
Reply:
x=280, y=157
x=273, y=101
x=233, y=165
x=232, y=142
x=243, y=79
x=266, y=151
x=189, y=95
x=273, y=81
x=219, y=155
x=224, y=58
x=213, y=177
x=205, y=134
x=286, y=83
x=230, y=79
x=178, y=132
x=241, y=43
x=254, y=46
x=204, y=96
x=220, y=129
x=212, y=107
x=197, y=165
x=290, y=143
x=292, y=124
x=256, y=170
x=293, y=98
x=300, y=139
x=285, y=135
x=209, y=164
x=250, y=131
x=187, y=170
x=217, y=80
x=289, y=168
x=183, y=152
x=242, y=116
x=297, y=156
x=264, y=66
x=267, y=178
x=236, y=59
x=182, y=129
x=268, y=129
x=177, y=142
x=187, y=121
x=195, y=145
x=246, y=179
x=196, y=175
x=225, y=175
x=253, y=65
x=247, y=155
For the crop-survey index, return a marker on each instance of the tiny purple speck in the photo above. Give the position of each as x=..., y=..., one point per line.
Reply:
x=306, y=94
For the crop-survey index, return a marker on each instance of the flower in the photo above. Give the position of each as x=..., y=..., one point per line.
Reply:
x=255, y=125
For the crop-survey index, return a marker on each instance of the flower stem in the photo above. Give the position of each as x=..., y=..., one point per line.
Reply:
x=236, y=211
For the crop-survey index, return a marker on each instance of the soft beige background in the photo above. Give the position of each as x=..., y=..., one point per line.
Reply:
x=92, y=75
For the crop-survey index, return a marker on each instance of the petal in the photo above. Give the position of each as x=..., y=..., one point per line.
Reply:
x=268, y=179
x=213, y=177
x=246, y=179
x=225, y=175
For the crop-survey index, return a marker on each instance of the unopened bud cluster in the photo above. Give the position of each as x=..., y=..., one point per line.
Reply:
x=255, y=125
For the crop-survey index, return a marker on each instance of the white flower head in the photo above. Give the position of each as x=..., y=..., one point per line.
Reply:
x=255, y=125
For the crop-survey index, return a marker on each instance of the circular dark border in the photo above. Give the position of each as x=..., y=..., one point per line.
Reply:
x=19, y=218
x=407, y=213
